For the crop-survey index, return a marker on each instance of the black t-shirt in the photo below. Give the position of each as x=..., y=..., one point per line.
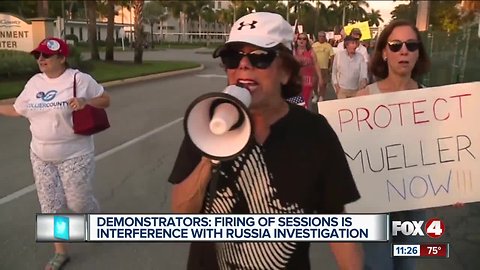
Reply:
x=300, y=169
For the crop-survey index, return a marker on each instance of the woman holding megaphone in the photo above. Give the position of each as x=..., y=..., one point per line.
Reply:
x=293, y=164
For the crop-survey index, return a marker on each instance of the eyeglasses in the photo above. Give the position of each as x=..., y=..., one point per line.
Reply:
x=261, y=59
x=302, y=38
x=397, y=45
x=45, y=55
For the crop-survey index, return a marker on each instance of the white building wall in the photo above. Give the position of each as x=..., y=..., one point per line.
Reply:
x=169, y=30
x=80, y=29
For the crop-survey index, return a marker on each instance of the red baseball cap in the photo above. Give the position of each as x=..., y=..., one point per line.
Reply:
x=52, y=45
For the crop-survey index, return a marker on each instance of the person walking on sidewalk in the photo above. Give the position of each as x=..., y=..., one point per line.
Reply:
x=349, y=70
x=356, y=33
x=309, y=71
x=324, y=54
x=63, y=163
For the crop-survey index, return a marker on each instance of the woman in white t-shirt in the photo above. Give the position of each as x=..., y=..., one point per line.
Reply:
x=63, y=162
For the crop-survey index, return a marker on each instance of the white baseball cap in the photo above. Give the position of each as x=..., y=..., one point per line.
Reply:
x=262, y=29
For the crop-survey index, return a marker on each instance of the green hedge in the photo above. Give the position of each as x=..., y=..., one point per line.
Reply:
x=75, y=60
x=18, y=64
x=72, y=37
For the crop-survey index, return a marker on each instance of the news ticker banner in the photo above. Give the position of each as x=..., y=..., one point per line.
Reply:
x=410, y=149
x=217, y=228
x=421, y=250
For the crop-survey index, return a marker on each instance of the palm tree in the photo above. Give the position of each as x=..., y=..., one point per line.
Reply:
x=72, y=8
x=287, y=11
x=152, y=14
x=296, y=4
x=352, y=11
x=126, y=4
x=196, y=11
x=306, y=17
x=334, y=16
x=162, y=18
x=179, y=10
x=138, y=26
x=109, y=42
x=268, y=6
x=208, y=15
x=304, y=13
x=24, y=9
x=374, y=17
x=320, y=15
x=225, y=18
x=405, y=11
x=92, y=29
x=42, y=8
x=235, y=5
x=244, y=8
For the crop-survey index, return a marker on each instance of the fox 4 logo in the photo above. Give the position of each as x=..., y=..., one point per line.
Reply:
x=434, y=228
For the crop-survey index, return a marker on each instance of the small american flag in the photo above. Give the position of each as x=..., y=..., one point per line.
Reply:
x=297, y=100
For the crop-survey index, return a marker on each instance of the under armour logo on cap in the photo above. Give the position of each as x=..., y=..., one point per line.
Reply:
x=252, y=25
x=264, y=30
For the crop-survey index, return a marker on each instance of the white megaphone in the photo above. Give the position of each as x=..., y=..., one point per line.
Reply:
x=219, y=123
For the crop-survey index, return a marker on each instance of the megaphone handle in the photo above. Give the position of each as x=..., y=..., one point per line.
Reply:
x=212, y=186
x=241, y=117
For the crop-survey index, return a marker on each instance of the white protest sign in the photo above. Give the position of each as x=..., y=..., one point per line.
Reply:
x=300, y=28
x=411, y=149
x=330, y=35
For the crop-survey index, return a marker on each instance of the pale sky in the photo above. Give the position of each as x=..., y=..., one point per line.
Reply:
x=385, y=7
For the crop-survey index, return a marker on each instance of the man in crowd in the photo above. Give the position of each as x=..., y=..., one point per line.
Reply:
x=362, y=50
x=349, y=70
x=324, y=53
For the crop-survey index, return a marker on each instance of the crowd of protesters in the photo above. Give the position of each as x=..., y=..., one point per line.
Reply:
x=341, y=61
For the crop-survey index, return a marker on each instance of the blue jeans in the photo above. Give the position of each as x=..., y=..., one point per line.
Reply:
x=378, y=256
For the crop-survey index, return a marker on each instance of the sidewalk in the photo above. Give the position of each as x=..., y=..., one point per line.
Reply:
x=462, y=232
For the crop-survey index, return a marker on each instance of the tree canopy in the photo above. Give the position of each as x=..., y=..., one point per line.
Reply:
x=444, y=15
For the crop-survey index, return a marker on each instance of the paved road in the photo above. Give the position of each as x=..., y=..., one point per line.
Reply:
x=134, y=158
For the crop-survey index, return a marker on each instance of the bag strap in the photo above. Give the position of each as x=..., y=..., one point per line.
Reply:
x=75, y=84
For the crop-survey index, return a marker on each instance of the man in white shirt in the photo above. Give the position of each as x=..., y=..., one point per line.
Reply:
x=357, y=34
x=349, y=70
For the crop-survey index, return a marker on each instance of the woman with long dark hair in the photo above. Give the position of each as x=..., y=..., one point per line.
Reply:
x=398, y=60
x=309, y=71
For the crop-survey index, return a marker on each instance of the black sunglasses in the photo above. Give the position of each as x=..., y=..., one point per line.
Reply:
x=261, y=59
x=397, y=45
x=45, y=55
